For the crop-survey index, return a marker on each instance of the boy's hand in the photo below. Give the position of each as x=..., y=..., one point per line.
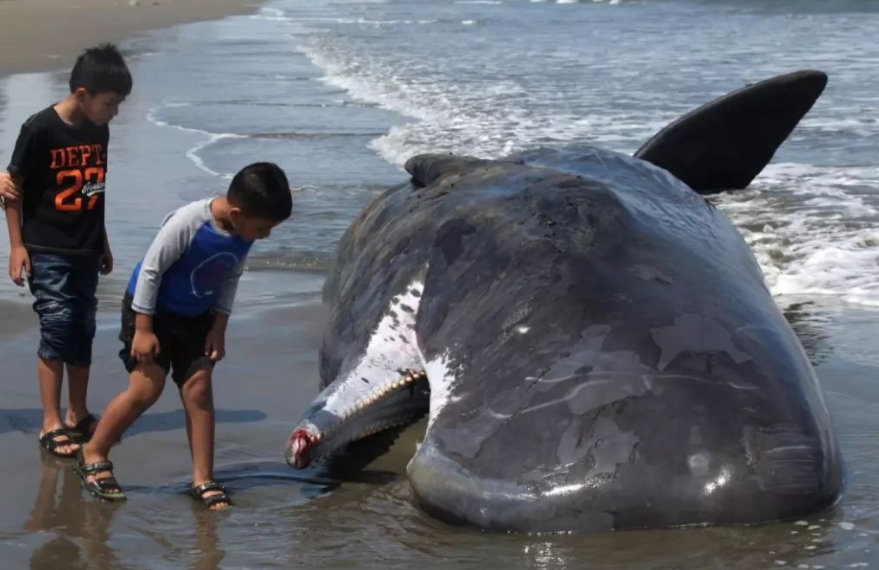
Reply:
x=144, y=346
x=106, y=262
x=19, y=258
x=215, y=343
x=9, y=190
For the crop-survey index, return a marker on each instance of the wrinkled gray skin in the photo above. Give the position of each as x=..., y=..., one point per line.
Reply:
x=601, y=347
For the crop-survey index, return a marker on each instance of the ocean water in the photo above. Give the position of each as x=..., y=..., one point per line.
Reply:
x=341, y=93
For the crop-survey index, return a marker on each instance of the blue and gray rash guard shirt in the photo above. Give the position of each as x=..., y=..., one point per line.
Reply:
x=191, y=267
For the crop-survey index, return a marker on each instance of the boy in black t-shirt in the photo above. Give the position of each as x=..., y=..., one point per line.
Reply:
x=54, y=196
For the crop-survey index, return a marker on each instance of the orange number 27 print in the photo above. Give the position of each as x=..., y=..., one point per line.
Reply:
x=76, y=177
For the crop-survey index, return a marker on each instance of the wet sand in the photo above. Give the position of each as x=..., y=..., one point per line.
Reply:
x=41, y=35
x=364, y=519
x=15, y=318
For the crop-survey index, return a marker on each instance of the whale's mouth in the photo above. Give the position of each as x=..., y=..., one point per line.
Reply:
x=394, y=404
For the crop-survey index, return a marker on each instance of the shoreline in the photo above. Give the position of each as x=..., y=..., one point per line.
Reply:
x=47, y=35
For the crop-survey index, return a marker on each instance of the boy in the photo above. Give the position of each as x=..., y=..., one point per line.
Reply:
x=174, y=315
x=53, y=191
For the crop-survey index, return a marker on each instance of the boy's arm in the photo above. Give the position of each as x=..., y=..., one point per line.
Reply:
x=170, y=244
x=18, y=256
x=106, y=256
x=226, y=298
x=215, y=343
x=10, y=189
x=13, y=224
x=21, y=165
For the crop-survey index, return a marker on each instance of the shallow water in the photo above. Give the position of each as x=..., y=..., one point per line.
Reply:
x=340, y=93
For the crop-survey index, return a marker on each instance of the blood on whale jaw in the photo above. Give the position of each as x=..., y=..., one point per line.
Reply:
x=387, y=387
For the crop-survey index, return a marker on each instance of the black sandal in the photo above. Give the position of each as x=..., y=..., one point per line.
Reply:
x=83, y=430
x=107, y=488
x=197, y=493
x=50, y=443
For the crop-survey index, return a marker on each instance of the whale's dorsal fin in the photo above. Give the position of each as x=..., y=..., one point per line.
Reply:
x=724, y=144
x=428, y=168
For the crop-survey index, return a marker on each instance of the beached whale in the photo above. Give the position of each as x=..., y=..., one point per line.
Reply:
x=593, y=341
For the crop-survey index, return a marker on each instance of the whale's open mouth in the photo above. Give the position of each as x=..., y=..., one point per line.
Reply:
x=393, y=404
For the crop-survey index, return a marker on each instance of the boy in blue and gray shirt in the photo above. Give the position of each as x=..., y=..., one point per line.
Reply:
x=174, y=317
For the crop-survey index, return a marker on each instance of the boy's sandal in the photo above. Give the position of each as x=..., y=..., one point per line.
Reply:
x=216, y=499
x=49, y=442
x=106, y=488
x=83, y=430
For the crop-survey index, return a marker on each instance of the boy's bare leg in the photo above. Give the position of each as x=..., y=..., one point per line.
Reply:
x=145, y=385
x=78, y=381
x=51, y=376
x=198, y=401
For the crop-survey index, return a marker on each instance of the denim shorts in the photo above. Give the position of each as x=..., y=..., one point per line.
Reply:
x=64, y=287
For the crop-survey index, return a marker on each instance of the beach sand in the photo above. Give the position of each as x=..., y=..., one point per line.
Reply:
x=41, y=35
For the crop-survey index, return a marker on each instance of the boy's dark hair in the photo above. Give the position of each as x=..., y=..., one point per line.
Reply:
x=261, y=191
x=101, y=69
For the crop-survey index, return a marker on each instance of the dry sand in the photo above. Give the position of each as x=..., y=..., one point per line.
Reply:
x=43, y=35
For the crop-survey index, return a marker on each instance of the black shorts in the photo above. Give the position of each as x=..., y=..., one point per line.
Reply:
x=181, y=341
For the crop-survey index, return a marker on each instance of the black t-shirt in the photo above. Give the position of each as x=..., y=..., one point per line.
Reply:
x=64, y=168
